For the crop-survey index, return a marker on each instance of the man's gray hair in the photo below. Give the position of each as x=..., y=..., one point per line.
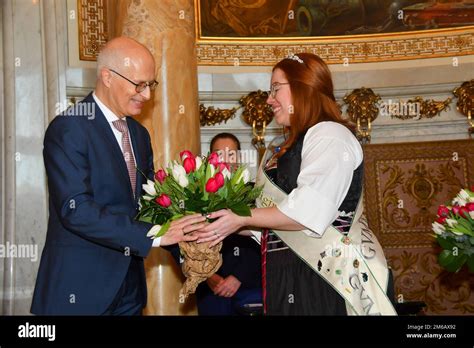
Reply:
x=109, y=57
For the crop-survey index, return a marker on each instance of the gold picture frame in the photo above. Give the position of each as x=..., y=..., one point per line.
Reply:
x=346, y=49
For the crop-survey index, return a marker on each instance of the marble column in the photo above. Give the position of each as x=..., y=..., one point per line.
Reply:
x=24, y=206
x=166, y=27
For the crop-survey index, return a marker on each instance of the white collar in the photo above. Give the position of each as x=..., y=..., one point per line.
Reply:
x=109, y=114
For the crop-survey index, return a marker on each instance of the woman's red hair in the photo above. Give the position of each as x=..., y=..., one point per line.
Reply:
x=312, y=94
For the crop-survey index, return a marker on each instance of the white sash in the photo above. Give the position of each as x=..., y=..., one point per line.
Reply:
x=354, y=265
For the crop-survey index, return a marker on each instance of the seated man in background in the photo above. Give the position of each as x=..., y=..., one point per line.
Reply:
x=238, y=281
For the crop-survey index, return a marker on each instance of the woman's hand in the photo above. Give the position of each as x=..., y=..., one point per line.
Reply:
x=227, y=223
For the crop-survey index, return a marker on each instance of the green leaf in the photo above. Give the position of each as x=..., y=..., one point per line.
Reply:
x=461, y=229
x=241, y=209
x=164, y=228
x=451, y=262
x=446, y=243
x=236, y=175
x=466, y=227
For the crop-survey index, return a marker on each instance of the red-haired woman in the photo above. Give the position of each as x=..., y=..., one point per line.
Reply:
x=318, y=256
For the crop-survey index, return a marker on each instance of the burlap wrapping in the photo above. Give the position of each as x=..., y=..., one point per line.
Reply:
x=200, y=262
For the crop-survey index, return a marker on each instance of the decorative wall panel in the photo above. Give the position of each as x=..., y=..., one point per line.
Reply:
x=404, y=185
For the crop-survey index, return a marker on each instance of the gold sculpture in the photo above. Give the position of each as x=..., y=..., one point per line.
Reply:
x=363, y=110
x=422, y=108
x=210, y=116
x=465, y=104
x=258, y=114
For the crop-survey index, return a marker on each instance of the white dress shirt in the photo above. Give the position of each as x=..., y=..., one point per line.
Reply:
x=111, y=117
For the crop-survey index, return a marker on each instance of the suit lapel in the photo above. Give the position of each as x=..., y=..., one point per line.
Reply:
x=112, y=143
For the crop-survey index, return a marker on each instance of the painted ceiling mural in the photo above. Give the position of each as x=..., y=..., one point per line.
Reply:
x=307, y=18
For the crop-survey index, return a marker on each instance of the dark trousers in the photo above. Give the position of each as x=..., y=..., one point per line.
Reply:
x=128, y=300
x=210, y=304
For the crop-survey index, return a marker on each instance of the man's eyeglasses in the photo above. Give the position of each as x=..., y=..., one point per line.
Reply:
x=139, y=87
x=275, y=87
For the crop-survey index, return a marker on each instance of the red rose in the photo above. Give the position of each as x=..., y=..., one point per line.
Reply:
x=160, y=176
x=464, y=212
x=211, y=185
x=219, y=179
x=185, y=154
x=470, y=206
x=163, y=200
x=443, y=211
x=189, y=164
x=441, y=220
x=213, y=159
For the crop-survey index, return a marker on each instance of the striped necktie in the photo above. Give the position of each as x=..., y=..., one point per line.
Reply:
x=121, y=126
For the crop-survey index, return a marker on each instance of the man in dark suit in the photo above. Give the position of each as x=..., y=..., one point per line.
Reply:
x=92, y=262
x=239, y=280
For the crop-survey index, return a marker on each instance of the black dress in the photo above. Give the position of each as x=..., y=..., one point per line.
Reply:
x=292, y=287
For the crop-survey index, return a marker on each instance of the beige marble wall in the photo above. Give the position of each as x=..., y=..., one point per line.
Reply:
x=166, y=27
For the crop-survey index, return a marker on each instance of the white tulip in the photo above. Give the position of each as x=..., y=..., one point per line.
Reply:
x=471, y=213
x=149, y=188
x=179, y=174
x=438, y=228
x=198, y=162
x=153, y=231
x=464, y=195
x=451, y=222
x=459, y=201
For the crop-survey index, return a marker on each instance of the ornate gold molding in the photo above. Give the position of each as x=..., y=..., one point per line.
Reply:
x=346, y=49
x=93, y=30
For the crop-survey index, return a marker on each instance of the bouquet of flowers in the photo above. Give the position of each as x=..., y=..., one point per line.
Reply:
x=196, y=185
x=454, y=230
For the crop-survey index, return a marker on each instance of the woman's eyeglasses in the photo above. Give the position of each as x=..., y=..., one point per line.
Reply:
x=275, y=87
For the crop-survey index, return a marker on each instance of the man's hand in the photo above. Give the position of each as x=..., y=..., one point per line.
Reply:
x=213, y=281
x=228, y=287
x=181, y=230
